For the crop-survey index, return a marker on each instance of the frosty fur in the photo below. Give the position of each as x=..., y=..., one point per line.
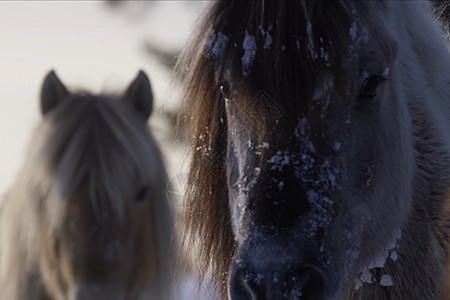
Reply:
x=343, y=192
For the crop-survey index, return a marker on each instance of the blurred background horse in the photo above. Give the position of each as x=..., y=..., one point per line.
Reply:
x=320, y=151
x=88, y=217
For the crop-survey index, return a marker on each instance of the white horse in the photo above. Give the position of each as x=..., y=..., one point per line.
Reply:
x=87, y=217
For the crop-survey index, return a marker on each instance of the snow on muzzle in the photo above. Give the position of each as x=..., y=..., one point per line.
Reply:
x=270, y=271
x=301, y=282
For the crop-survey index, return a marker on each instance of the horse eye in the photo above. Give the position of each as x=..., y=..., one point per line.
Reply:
x=142, y=194
x=370, y=87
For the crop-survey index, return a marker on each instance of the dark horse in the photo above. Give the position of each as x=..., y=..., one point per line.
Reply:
x=87, y=217
x=321, y=150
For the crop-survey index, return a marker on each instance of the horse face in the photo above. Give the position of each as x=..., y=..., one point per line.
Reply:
x=89, y=252
x=319, y=194
x=102, y=183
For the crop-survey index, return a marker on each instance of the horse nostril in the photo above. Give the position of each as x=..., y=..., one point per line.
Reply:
x=307, y=283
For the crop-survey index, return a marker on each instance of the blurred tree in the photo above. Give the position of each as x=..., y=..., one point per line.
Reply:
x=136, y=11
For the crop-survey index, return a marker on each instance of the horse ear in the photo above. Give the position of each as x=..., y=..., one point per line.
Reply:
x=139, y=95
x=52, y=93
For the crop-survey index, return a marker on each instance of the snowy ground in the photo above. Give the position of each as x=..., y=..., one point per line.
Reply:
x=90, y=46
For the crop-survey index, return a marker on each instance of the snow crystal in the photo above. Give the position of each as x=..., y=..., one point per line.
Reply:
x=263, y=145
x=216, y=45
x=250, y=144
x=322, y=248
x=280, y=185
x=249, y=46
x=309, y=146
x=220, y=45
x=257, y=171
x=366, y=276
x=310, y=41
x=296, y=293
x=394, y=255
x=267, y=37
x=353, y=31
x=331, y=177
x=386, y=280
x=298, y=44
x=279, y=160
x=337, y=146
x=267, y=41
x=320, y=212
x=275, y=278
x=324, y=55
x=259, y=277
x=386, y=72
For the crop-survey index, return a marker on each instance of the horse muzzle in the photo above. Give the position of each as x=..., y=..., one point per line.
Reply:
x=273, y=282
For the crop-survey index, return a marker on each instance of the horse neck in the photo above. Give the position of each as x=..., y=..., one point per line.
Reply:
x=424, y=52
x=429, y=108
x=425, y=60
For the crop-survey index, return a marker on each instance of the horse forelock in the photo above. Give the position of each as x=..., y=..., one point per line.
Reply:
x=99, y=139
x=279, y=46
